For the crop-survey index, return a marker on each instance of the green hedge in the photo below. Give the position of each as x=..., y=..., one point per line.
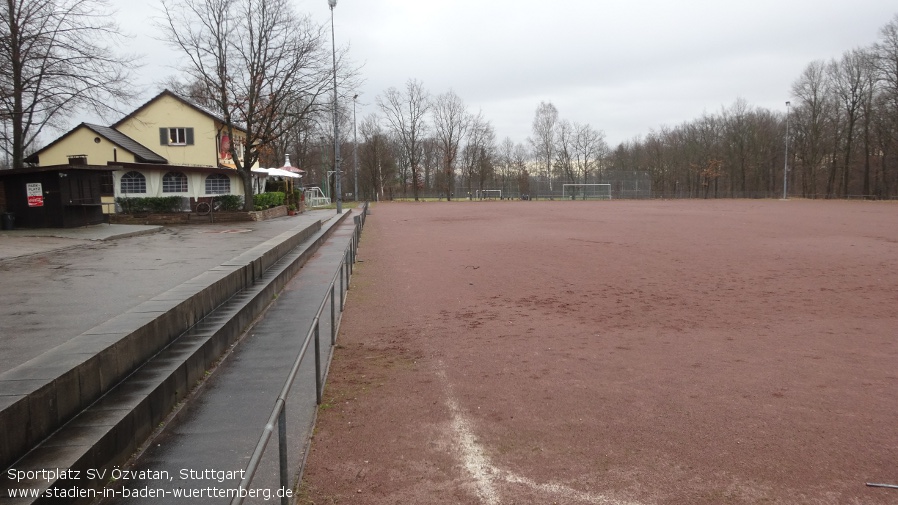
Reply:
x=229, y=202
x=155, y=205
x=268, y=200
x=168, y=204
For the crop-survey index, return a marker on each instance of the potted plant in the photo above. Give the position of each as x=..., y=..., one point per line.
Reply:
x=291, y=210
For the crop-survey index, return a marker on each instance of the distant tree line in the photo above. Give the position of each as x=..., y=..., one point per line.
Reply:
x=842, y=143
x=274, y=82
x=420, y=145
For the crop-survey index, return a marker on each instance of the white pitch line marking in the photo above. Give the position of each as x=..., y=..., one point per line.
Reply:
x=475, y=461
x=485, y=474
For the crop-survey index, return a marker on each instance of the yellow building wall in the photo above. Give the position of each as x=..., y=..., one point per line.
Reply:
x=168, y=112
x=83, y=141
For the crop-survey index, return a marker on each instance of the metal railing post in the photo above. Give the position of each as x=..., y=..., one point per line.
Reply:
x=356, y=236
x=333, y=317
x=347, y=262
x=282, y=449
x=317, y=365
x=342, y=274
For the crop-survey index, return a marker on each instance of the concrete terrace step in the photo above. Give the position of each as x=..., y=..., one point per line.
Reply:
x=220, y=425
x=88, y=403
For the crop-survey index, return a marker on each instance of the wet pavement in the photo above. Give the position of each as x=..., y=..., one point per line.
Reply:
x=18, y=243
x=57, y=284
x=204, y=448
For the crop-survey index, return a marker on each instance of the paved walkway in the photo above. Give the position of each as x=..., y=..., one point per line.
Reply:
x=18, y=243
x=57, y=284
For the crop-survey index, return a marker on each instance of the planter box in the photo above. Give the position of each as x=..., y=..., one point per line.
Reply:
x=172, y=218
x=262, y=215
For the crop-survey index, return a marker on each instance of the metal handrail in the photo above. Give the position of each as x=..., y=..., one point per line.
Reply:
x=278, y=413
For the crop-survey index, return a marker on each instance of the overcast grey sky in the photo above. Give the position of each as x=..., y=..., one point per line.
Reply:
x=624, y=67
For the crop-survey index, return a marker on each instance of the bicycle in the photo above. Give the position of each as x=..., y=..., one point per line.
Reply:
x=205, y=208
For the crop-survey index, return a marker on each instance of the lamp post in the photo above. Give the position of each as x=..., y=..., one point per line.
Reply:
x=337, y=189
x=355, y=148
x=786, y=163
x=325, y=181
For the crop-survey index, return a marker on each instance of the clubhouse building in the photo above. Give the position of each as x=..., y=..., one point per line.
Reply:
x=166, y=147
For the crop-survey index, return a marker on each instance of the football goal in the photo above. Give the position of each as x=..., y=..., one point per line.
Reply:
x=586, y=191
x=315, y=197
x=489, y=194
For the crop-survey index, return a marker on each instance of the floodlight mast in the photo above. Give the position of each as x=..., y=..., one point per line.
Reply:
x=337, y=188
x=786, y=163
x=355, y=148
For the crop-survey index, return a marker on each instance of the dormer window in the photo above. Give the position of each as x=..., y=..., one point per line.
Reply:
x=176, y=136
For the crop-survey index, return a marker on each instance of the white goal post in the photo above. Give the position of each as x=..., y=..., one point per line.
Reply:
x=486, y=194
x=587, y=191
x=315, y=197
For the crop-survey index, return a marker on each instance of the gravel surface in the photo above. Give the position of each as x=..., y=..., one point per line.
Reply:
x=624, y=352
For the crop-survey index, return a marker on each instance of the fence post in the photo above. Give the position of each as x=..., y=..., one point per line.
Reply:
x=282, y=449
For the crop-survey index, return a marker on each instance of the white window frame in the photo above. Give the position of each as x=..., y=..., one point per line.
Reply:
x=177, y=136
x=171, y=178
x=217, y=180
x=132, y=179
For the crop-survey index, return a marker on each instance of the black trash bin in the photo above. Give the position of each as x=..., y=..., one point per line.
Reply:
x=8, y=221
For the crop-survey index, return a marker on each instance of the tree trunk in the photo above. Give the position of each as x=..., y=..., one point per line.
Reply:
x=248, y=195
x=846, y=174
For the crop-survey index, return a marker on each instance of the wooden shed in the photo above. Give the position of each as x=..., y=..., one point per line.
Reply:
x=57, y=196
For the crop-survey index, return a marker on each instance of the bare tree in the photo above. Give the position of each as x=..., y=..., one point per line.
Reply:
x=506, y=162
x=564, y=150
x=406, y=112
x=451, y=121
x=194, y=90
x=810, y=118
x=886, y=115
x=57, y=56
x=886, y=60
x=519, y=162
x=265, y=67
x=848, y=81
x=479, y=152
x=543, y=140
x=376, y=157
x=589, y=149
x=431, y=162
x=736, y=124
x=868, y=113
